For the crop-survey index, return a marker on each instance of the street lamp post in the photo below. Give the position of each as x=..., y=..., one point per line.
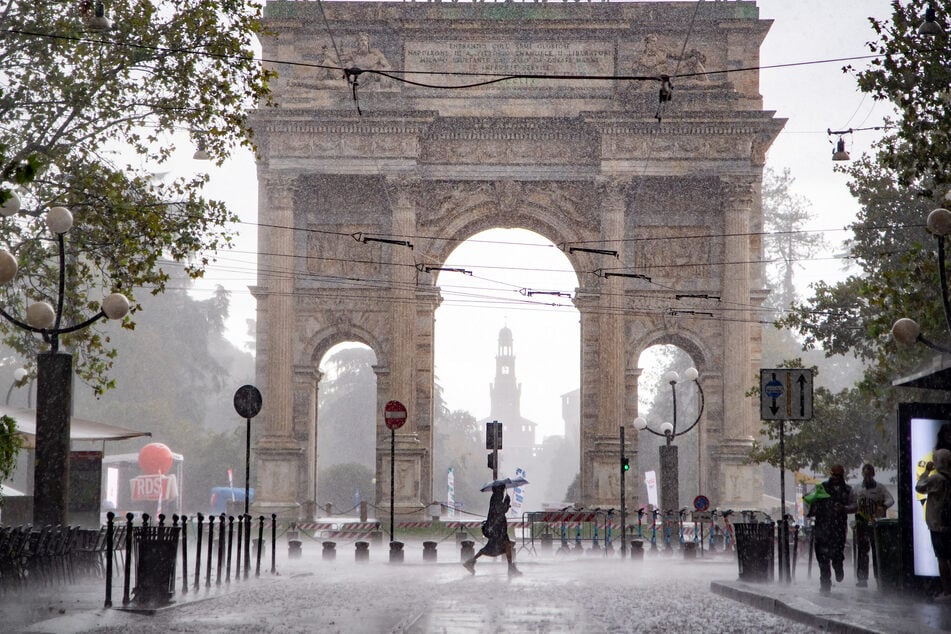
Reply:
x=907, y=331
x=669, y=464
x=54, y=377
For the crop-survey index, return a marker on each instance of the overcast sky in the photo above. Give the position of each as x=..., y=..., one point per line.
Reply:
x=813, y=97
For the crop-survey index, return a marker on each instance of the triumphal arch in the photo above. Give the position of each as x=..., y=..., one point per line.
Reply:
x=630, y=134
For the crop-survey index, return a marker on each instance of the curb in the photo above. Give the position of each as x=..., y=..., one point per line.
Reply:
x=827, y=622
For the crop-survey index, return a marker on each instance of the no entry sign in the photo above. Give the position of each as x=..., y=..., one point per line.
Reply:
x=394, y=414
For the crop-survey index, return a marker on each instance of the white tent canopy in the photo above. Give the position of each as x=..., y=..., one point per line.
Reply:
x=79, y=428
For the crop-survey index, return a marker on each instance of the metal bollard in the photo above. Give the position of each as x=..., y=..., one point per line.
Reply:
x=363, y=551
x=128, y=559
x=690, y=550
x=184, y=554
x=260, y=546
x=396, y=552
x=468, y=550
x=237, y=550
x=221, y=547
x=110, y=533
x=330, y=551
x=637, y=549
x=230, y=544
x=429, y=551
x=273, y=543
x=211, y=540
x=198, y=530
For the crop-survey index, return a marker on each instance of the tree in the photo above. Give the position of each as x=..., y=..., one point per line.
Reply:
x=341, y=485
x=70, y=95
x=346, y=409
x=10, y=443
x=896, y=188
x=786, y=214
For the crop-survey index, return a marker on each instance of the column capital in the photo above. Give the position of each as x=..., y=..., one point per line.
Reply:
x=738, y=189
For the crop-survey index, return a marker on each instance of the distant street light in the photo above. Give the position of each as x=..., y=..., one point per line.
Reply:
x=54, y=375
x=669, y=464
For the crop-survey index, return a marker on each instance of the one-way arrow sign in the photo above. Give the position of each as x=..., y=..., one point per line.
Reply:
x=785, y=394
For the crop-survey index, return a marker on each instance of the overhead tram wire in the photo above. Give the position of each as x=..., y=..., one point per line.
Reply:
x=396, y=74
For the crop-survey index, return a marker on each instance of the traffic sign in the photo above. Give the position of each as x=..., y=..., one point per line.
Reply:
x=394, y=414
x=701, y=503
x=785, y=394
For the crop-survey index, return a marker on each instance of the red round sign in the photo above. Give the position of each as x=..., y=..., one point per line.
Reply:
x=394, y=414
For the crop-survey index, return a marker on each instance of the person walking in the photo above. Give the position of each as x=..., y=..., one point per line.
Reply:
x=830, y=510
x=935, y=482
x=496, y=530
x=873, y=499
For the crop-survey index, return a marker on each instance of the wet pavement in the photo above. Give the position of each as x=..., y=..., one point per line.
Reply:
x=556, y=593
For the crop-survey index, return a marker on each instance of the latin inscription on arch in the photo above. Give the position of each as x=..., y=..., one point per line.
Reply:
x=549, y=57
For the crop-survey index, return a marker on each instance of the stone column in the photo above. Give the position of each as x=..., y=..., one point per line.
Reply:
x=306, y=385
x=741, y=485
x=403, y=362
x=277, y=453
x=603, y=454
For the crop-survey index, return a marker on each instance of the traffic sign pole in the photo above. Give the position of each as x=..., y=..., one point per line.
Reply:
x=623, y=504
x=394, y=416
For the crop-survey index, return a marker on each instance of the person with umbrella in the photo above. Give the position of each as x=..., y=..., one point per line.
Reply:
x=496, y=529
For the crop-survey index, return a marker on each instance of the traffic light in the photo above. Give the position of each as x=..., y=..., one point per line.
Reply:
x=491, y=461
x=625, y=464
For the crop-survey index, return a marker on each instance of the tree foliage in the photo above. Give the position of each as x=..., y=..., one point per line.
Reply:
x=10, y=443
x=70, y=98
x=907, y=176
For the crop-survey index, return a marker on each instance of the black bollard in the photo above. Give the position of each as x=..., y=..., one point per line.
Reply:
x=690, y=550
x=230, y=543
x=429, y=551
x=199, y=527
x=363, y=551
x=128, y=559
x=247, y=545
x=184, y=554
x=396, y=552
x=211, y=547
x=468, y=550
x=237, y=550
x=110, y=533
x=273, y=543
x=330, y=551
x=637, y=549
x=257, y=563
x=221, y=547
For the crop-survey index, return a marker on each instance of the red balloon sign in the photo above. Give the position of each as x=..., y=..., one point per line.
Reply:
x=155, y=458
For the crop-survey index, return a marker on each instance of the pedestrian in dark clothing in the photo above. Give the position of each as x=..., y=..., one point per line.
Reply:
x=873, y=500
x=831, y=526
x=935, y=482
x=496, y=530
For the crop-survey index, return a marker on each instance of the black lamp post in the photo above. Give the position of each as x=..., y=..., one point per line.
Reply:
x=907, y=331
x=54, y=376
x=669, y=464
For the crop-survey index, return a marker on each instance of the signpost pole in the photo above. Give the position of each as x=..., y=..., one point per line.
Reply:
x=392, y=478
x=784, y=569
x=623, y=504
x=394, y=415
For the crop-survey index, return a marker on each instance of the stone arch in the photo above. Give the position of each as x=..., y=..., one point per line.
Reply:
x=418, y=170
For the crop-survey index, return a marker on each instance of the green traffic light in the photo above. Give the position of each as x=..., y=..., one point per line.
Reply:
x=625, y=464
